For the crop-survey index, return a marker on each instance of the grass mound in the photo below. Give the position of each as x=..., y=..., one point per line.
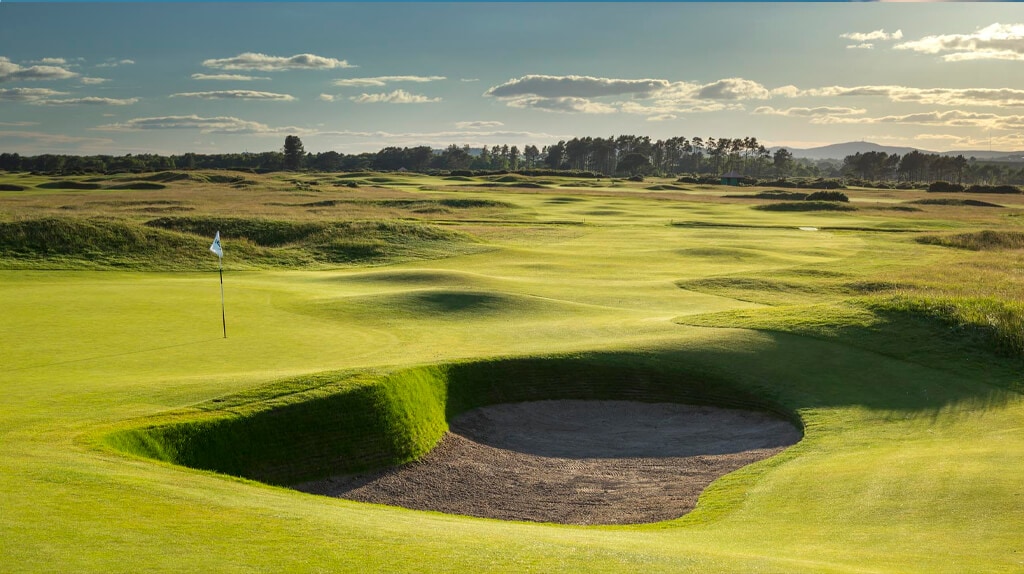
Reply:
x=978, y=241
x=805, y=206
x=331, y=242
x=11, y=187
x=991, y=324
x=346, y=422
x=139, y=186
x=167, y=176
x=180, y=242
x=753, y=289
x=955, y=334
x=666, y=187
x=64, y=184
x=92, y=242
x=459, y=178
x=957, y=202
x=773, y=194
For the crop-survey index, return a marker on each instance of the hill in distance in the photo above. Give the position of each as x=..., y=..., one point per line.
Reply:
x=841, y=150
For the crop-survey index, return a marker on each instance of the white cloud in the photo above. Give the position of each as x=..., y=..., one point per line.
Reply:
x=573, y=87
x=228, y=77
x=996, y=97
x=562, y=104
x=993, y=42
x=872, y=36
x=469, y=80
x=733, y=89
x=864, y=46
x=381, y=81
x=265, y=63
x=9, y=71
x=112, y=63
x=327, y=98
x=650, y=97
x=478, y=124
x=789, y=91
x=18, y=124
x=950, y=118
x=395, y=97
x=88, y=100
x=214, y=125
x=236, y=95
x=92, y=81
x=672, y=106
x=809, y=112
x=51, y=61
x=28, y=94
x=662, y=118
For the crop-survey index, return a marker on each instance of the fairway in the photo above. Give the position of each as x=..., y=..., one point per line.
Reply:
x=361, y=321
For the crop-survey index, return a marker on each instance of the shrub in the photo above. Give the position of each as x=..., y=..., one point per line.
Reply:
x=944, y=187
x=828, y=196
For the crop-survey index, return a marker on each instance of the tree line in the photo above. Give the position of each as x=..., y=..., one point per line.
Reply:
x=623, y=155
x=916, y=166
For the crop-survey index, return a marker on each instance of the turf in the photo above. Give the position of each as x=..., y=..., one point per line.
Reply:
x=876, y=342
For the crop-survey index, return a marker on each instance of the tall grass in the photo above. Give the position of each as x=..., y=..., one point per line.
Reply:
x=978, y=241
x=178, y=242
x=998, y=324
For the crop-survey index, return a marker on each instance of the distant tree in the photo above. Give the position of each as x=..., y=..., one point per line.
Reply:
x=293, y=152
x=419, y=157
x=455, y=157
x=531, y=155
x=555, y=154
x=634, y=164
x=783, y=161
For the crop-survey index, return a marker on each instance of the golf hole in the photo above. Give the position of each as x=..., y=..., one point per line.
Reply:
x=573, y=461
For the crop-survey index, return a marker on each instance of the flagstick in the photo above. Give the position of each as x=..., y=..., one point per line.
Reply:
x=223, y=316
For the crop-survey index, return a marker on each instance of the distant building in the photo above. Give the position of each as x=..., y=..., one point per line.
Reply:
x=731, y=178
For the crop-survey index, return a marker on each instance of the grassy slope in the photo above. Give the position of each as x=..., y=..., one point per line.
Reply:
x=909, y=464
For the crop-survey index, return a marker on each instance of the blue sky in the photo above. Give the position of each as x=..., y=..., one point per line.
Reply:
x=176, y=77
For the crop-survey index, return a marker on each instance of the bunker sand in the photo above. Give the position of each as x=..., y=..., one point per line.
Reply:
x=573, y=462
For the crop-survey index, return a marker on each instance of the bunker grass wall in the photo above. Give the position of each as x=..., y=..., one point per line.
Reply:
x=388, y=419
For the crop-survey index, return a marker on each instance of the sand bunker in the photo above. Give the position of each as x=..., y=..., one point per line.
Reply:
x=573, y=462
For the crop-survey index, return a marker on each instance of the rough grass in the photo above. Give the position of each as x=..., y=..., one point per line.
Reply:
x=805, y=206
x=180, y=242
x=978, y=241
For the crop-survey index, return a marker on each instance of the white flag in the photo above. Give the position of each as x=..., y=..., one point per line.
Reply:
x=216, y=246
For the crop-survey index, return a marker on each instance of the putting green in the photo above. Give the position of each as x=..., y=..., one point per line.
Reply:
x=913, y=435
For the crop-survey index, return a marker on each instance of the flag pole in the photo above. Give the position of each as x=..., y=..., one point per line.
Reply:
x=219, y=252
x=223, y=316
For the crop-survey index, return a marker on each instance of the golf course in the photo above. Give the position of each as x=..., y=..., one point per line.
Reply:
x=366, y=312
